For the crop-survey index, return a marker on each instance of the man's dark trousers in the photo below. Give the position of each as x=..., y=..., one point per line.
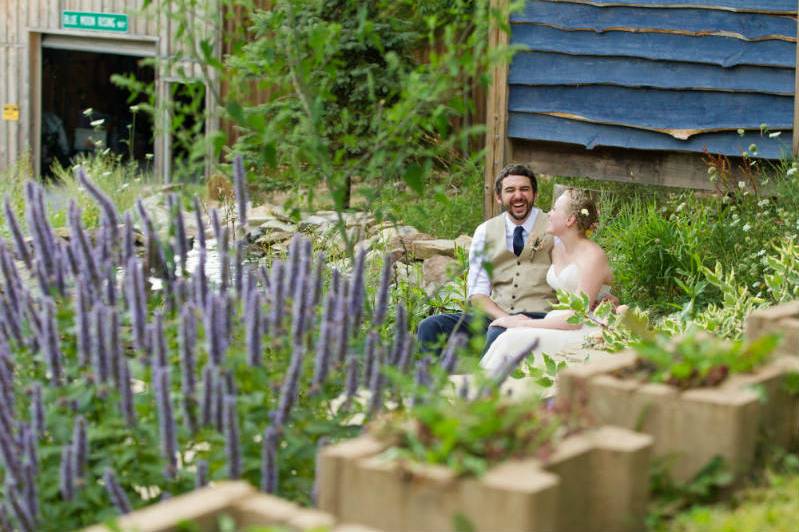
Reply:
x=434, y=330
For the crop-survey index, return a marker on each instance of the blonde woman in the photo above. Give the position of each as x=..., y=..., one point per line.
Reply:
x=578, y=265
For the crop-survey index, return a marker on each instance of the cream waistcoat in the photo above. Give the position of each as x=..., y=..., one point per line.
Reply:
x=519, y=284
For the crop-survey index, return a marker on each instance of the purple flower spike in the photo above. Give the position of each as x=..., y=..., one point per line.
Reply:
x=113, y=345
x=238, y=267
x=126, y=404
x=137, y=303
x=214, y=329
x=39, y=227
x=352, y=376
x=240, y=184
x=115, y=492
x=67, y=474
x=130, y=239
x=49, y=342
x=506, y=370
x=201, y=280
x=181, y=242
x=82, y=321
x=288, y=392
x=110, y=216
x=357, y=291
x=449, y=359
x=314, y=292
x=25, y=520
x=77, y=233
x=9, y=451
x=269, y=471
x=298, y=313
x=30, y=491
x=198, y=214
x=293, y=268
x=208, y=398
x=19, y=239
x=232, y=443
x=376, y=384
x=188, y=340
x=369, y=350
x=100, y=358
x=407, y=351
x=277, y=299
x=322, y=361
x=80, y=448
x=201, y=476
x=400, y=333
x=342, y=323
x=166, y=421
x=159, y=341
x=253, y=324
x=382, y=293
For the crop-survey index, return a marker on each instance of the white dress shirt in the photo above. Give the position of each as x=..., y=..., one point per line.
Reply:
x=477, y=280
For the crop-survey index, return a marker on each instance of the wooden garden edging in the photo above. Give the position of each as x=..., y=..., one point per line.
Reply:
x=596, y=480
x=201, y=509
x=691, y=427
x=783, y=319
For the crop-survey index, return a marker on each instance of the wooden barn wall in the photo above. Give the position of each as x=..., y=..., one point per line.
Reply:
x=17, y=17
x=666, y=77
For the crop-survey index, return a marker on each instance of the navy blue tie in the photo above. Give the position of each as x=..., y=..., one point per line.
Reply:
x=518, y=241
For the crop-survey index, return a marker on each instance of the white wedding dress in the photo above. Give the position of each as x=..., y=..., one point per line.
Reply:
x=559, y=344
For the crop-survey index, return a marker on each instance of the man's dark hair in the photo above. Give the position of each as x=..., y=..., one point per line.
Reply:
x=515, y=169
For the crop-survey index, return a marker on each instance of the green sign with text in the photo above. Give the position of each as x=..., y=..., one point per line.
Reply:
x=86, y=20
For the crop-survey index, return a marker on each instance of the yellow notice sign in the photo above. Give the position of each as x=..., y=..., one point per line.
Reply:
x=11, y=112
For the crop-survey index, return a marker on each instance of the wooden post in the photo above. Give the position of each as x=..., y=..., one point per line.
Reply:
x=497, y=143
x=796, y=94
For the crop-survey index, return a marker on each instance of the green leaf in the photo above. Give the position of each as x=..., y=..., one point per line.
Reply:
x=414, y=177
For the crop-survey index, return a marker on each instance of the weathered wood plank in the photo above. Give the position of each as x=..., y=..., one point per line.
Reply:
x=553, y=129
x=544, y=68
x=497, y=143
x=614, y=164
x=739, y=6
x=748, y=26
x=680, y=111
x=658, y=46
x=795, y=143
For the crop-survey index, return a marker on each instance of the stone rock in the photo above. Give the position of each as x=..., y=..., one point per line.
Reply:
x=464, y=242
x=409, y=273
x=269, y=239
x=394, y=237
x=424, y=249
x=277, y=225
x=436, y=272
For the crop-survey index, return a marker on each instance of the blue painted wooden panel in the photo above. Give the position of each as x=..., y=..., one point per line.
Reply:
x=709, y=50
x=655, y=108
x=587, y=17
x=547, y=128
x=542, y=68
x=759, y=6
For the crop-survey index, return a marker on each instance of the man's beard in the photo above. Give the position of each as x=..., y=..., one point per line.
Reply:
x=509, y=210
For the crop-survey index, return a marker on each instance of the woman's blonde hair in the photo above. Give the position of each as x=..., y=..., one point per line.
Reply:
x=582, y=205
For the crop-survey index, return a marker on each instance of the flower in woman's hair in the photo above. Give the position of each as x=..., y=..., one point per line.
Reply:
x=584, y=211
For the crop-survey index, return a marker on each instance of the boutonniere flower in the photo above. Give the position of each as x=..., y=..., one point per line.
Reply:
x=538, y=243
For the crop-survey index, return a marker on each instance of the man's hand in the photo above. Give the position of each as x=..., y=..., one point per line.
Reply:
x=487, y=305
x=509, y=322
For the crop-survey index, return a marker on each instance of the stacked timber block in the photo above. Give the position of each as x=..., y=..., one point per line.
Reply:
x=202, y=509
x=596, y=480
x=782, y=319
x=691, y=427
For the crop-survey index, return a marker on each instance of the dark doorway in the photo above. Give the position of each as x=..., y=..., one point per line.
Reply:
x=187, y=130
x=83, y=111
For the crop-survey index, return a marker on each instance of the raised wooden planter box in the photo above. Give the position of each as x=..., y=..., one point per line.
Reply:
x=783, y=319
x=201, y=510
x=597, y=480
x=691, y=427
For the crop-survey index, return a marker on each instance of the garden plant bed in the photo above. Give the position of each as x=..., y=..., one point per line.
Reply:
x=603, y=472
x=783, y=319
x=692, y=426
x=203, y=509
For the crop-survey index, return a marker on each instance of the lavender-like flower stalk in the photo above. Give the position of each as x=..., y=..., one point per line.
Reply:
x=208, y=397
x=295, y=250
x=188, y=340
x=82, y=242
x=37, y=411
x=16, y=233
x=100, y=357
x=67, y=474
x=352, y=377
x=8, y=448
x=322, y=360
x=342, y=323
x=291, y=381
x=200, y=280
x=13, y=284
x=24, y=518
x=277, y=299
x=158, y=340
x=369, y=350
x=80, y=449
x=314, y=292
x=38, y=226
x=376, y=384
x=49, y=342
x=217, y=226
x=449, y=359
x=137, y=302
x=269, y=471
x=30, y=491
x=182, y=243
x=129, y=239
x=232, y=443
x=214, y=329
x=400, y=333
x=198, y=214
x=405, y=355
x=239, y=182
x=126, y=404
x=166, y=421
x=7, y=377
x=381, y=305
x=505, y=371
x=12, y=320
x=298, y=313
x=115, y=492
x=113, y=345
x=253, y=326
x=357, y=291
x=82, y=321
x=238, y=267
x=110, y=287
x=110, y=216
